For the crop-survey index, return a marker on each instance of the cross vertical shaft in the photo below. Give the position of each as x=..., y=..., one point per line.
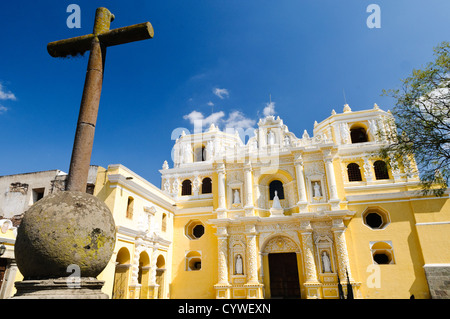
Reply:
x=87, y=118
x=96, y=43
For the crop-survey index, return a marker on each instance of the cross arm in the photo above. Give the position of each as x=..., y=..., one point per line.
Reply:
x=81, y=44
x=72, y=46
x=137, y=32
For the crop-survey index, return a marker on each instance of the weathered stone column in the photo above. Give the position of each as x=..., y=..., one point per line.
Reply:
x=341, y=249
x=301, y=189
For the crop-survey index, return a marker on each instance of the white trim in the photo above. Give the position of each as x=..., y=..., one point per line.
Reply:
x=391, y=201
x=5, y=240
x=160, y=199
x=432, y=223
x=436, y=265
x=193, y=215
x=364, y=186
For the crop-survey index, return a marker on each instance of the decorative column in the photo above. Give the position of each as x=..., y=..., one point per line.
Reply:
x=196, y=183
x=221, y=211
x=301, y=188
x=341, y=249
x=135, y=286
x=153, y=287
x=394, y=167
x=223, y=286
x=176, y=187
x=254, y=288
x=248, y=184
x=311, y=284
x=334, y=199
x=367, y=170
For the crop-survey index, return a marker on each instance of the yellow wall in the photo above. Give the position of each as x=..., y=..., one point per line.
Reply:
x=433, y=228
x=116, y=195
x=199, y=283
x=399, y=280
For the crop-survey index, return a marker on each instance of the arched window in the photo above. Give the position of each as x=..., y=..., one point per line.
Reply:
x=354, y=173
x=186, y=187
x=276, y=185
x=206, y=186
x=381, y=171
x=164, y=222
x=130, y=205
x=200, y=154
x=358, y=135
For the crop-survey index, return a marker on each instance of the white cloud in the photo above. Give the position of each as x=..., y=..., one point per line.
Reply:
x=210, y=103
x=221, y=93
x=199, y=120
x=6, y=95
x=269, y=109
x=237, y=120
x=3, y=109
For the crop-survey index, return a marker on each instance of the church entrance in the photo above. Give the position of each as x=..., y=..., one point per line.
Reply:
x=283, y=272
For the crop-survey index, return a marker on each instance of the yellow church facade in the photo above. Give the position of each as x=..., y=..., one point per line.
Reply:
x=282, y=216
x=278, y=216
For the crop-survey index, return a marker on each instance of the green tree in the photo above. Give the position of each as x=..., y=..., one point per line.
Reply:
x=422, y=120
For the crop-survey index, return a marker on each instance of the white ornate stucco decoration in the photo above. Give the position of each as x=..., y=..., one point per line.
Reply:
x=280, y=244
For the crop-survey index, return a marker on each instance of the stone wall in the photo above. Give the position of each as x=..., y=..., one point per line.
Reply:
x=438, y=277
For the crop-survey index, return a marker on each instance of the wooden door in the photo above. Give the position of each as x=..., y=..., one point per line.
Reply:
x=283, y=271
x=3, y=266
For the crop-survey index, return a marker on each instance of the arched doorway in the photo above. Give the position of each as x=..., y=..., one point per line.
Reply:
x=121, y=274
x=160, y=270
x=282, y=268
x=143, y=274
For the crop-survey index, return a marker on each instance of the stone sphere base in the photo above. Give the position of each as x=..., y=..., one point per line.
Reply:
x=65, y=229
x=60, y=288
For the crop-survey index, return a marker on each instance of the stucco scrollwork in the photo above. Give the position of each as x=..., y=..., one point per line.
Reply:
x=280, y=244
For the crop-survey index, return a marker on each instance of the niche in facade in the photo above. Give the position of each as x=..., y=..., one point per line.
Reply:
x=358, y=134
x=382, y=252
x=193, y=260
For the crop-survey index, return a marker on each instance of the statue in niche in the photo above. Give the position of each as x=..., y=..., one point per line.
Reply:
x=276, y=201
x=209, y=150
x=271, y=138
x=287, y=140
x=236, y=197
x=345, y=133
x=326, y=264
x=188, y=154
x=254, y=145
x=167, y=186
x=238, y=266
x=317, y=192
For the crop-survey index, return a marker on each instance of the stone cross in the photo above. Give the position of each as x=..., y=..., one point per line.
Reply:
x=96, y=43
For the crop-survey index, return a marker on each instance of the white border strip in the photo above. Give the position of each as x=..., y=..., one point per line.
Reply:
x=432, y=223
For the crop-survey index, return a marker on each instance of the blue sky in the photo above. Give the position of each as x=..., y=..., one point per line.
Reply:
x=208, y=57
